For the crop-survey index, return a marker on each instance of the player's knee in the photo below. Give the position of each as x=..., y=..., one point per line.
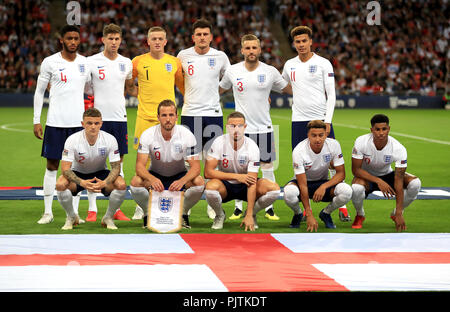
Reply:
x=136, y=181
x=358, y=191
x=414, y=186
x=61, y=184
x=213, y=185
x=344, y=191
x=120, y=185
x=198, y=181
x=291, y=193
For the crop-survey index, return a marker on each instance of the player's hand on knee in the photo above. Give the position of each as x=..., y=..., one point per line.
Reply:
x=386, y=189
x=155, y=184
x=176, y=185
x=318, y=194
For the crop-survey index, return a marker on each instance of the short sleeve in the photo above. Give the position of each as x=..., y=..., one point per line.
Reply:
x=254, y=159
x=297, y=162
x=338, y=159
x=357, y=151
x=278, y=82
x=225, y=83
x=401, y=157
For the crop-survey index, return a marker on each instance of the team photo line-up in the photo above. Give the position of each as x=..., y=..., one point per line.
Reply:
x=169, y=156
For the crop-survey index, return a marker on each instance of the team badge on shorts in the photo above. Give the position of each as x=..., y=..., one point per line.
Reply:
x=168, y=67
x=165, y=204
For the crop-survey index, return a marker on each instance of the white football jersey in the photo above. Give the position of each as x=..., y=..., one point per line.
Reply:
x=108, y=82
x=251, y=91
x=202, y=73
x=88, y=158
x=315, y=166
x=245, y=159
x=167, y=157
x=66, y=97
x=309, y=81
x=378, y=163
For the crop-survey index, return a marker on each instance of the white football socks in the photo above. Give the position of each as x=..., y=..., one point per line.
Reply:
x=191, y=196
x=49, y=185
x=291, y=198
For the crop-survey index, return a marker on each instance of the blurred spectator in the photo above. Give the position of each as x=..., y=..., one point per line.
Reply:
x=407, y=53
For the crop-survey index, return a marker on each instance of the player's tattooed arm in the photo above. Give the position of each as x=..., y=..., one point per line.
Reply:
x=114, y=173
x=71, y=176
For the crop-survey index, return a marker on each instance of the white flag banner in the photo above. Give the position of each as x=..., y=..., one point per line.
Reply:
x=164, y=211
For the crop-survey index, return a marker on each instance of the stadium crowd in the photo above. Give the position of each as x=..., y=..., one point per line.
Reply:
x=407, y=53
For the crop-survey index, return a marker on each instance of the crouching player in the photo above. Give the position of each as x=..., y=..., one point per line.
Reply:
x=232, y=166
x=372, y=156
x=168, y=145
x=83, y=166
x=311, y=160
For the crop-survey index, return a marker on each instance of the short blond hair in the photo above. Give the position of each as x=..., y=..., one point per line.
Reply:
x=249, y=37
x=155, y=29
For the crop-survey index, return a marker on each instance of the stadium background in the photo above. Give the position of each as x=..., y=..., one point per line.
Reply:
x=401, y=63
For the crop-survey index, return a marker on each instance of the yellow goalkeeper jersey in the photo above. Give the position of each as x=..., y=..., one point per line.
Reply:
x=156, y=82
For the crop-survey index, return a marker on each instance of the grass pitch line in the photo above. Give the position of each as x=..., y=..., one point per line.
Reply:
x=392, y=132
x=8, y=127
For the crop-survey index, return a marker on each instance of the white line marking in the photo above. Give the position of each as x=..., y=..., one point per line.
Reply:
x=7, y=127
x=392, y=132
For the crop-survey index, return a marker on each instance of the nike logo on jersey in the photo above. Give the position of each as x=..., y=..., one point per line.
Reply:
x=61, y=69
x=156, y=148
x=147, y=66
x=190, y=62
x=239, y=79
x=224, y=155
x=100, y=66
x=81, y=153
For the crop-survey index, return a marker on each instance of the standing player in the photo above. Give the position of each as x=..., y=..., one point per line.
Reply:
x=372, y=157
x=311, y=159
x=110, y=72
x=83, y=166
x=169, y=146
x=203, y=66
x=232, y=167
x=313, y=87
x=157, y=74
x=67, y=73
x=252, y=81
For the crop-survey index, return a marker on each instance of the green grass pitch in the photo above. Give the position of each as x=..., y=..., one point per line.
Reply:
x=424, y=133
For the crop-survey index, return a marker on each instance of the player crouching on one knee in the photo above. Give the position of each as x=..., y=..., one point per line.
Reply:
x=232, y=165
x=372, y=157
x=311, y=159
x=168, y=146
x=83, y=167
